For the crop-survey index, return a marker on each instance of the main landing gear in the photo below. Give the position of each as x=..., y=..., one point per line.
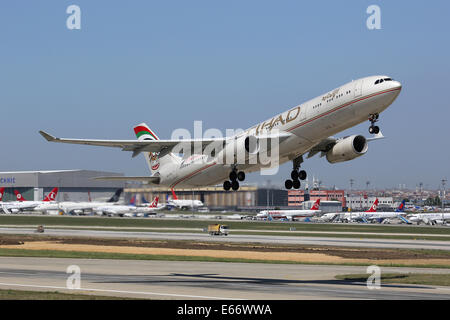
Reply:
x=296, y=175
x=233, y=183
x=373, y=129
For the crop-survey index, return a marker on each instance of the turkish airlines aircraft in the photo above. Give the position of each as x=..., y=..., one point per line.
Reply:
x=303, y=129
x=429, y=218
x=291, y=214
x=126, y=210
x=182, y=203
x=65, y=207
x=22, y=204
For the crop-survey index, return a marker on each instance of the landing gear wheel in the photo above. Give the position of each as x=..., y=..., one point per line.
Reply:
x=296, y=184
x=227, y=185
x=288, y=184
x=373, y=118
x=235, y=185
x=233, y=175
x=241, y=175
x=294, y=175
x=302, y=175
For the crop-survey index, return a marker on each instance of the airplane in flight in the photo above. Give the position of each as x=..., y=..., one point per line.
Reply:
x=21, y=204
x=291, y=214
x=304, y=130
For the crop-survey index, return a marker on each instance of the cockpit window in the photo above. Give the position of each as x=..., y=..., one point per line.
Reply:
x=381, y=80
x=377, y=82
x=388, y=79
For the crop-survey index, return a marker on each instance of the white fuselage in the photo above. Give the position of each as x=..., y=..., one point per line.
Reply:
x=308, y=123
x=289, y=214
x=427, y=217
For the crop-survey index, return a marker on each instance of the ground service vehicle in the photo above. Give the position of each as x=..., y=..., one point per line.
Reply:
x=218, y=229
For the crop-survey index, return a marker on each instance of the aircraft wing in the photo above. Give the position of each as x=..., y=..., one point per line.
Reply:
x=135, y=146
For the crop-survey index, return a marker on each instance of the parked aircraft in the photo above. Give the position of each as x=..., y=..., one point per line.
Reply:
x=429, y=218
x=71, y=207
x=291, y=214
x=21, y=204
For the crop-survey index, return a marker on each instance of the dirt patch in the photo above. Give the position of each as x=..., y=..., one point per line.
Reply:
x=264, y=251
x=235, y=254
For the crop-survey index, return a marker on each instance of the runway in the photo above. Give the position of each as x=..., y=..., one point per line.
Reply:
x=301, y=240
x=205, y=280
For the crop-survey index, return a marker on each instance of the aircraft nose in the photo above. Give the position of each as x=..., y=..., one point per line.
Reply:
x=397, y=85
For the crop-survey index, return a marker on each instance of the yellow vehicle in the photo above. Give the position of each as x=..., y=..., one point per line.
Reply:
x=218, y=229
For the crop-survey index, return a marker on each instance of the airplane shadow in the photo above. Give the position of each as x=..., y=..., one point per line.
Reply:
x=215, y=279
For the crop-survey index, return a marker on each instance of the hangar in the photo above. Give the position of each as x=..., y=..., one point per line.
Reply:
x=74, y=185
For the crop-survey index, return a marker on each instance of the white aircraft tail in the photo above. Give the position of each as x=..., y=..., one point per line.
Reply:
x=154, y=162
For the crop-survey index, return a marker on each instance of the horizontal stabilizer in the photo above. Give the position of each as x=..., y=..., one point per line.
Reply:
x=120, y=178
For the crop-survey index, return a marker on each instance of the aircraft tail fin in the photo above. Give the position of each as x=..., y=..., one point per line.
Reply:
x=19, y=196
x=116, y=195
x=143, y=200
x=401, y=207
x=143, y=132
x=2, y=190
x=174, y=195
x=52, y=195
x=133, y=200
x=316, y=205
x=153, y=159
x=374, y=206
x=154, y=203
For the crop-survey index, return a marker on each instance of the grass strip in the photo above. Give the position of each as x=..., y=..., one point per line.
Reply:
x=8, y=294
x=234, y=225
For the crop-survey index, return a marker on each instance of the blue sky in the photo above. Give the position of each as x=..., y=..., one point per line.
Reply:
x=229, y=63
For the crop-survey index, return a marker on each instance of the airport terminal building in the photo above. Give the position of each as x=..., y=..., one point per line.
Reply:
x=74, y=185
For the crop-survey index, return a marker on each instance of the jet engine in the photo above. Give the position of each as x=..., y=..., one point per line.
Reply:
x=347, y=149
x=240, y=149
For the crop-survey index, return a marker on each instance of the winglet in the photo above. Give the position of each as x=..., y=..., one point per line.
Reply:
x=47, y=136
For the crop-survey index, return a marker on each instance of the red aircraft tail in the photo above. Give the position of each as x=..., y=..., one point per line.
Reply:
x=373, y=208
x=316, y=205
x=154, y=203
x=19, y=197
x=52, y=195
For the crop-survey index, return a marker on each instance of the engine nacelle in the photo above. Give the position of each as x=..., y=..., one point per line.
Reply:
x=240, y=149
x=347, y=149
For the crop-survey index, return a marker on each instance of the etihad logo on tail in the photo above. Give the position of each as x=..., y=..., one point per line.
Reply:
x=143, y=132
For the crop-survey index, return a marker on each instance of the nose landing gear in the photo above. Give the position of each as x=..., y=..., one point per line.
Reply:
x=373, y=129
